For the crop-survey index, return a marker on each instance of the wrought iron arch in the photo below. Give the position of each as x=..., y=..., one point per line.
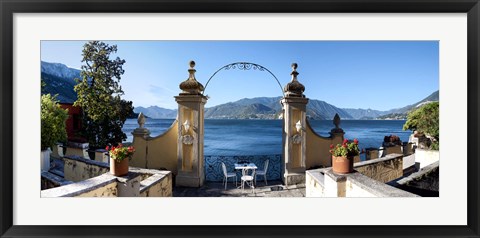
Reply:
x=243, y=66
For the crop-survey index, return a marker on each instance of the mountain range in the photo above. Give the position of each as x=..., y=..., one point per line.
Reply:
x=59, y=79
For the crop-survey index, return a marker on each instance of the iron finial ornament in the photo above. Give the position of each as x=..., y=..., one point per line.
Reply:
x=191, y=85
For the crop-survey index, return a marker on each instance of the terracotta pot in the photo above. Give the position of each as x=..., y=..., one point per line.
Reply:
x=119, y=168
x=342, y=165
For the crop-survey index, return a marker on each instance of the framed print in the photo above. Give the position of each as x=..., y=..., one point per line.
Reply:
x=283, y=51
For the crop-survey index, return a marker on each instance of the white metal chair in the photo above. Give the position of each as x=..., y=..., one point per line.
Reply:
x=248, y=178
x=227, y=175
x=262, y=172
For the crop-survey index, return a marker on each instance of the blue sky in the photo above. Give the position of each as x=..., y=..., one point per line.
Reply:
x=348, y=74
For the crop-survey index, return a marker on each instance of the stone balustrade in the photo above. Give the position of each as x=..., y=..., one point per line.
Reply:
x=92, y=179
x=367, y=181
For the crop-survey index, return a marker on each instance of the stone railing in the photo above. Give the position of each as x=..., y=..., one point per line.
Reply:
x=77, y=168
x=383, y=169
x=92, y=179
x=367, y=181
x=325, y=183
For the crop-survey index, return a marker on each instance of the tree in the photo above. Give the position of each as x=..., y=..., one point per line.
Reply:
x=53, y=117
x=99, y=95
x=425, y=120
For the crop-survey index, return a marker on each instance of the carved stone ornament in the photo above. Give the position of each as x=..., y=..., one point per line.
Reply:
x=336, y=120
x=187, y=139
x=141, y=120
x=294, y=88
x=297, y=139
x=191, y=86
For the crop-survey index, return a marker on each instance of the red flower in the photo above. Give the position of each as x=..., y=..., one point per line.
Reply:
x=331, y=146
x=107, y=147
x=344, y=146
x=345, y=141
x=355, y=141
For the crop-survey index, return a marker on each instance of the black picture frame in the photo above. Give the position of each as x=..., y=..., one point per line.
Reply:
x=9, y=7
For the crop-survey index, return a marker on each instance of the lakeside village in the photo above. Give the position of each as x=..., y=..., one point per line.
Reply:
x=82, y=154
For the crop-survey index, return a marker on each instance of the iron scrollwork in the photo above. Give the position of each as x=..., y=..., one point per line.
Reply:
x=243, y=66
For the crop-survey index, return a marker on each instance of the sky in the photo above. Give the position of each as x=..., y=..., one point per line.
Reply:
x=380, y=75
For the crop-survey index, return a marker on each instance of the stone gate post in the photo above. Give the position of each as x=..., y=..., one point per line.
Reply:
x=190, y=161
x=294, y=134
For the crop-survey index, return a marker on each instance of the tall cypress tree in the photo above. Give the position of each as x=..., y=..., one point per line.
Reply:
x=99, y=95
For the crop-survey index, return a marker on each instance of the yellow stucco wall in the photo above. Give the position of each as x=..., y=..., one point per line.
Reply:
x=157, y=152
x=318, y=148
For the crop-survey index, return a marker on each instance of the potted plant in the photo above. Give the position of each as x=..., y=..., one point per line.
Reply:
x=53, y=128
x=391, y=140
x=342, y=156
x=118, y=159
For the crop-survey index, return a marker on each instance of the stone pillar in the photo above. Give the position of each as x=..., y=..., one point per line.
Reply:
x=140, y=136
x=102, y=155
x=294, y=134
x=190, y=160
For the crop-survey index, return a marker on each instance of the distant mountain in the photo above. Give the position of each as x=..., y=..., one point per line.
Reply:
x=157, y=112
x=364, y=114
x=59, y=79
x=62, y=87
x=270, y=108
x=59, y=70
x=401, y=113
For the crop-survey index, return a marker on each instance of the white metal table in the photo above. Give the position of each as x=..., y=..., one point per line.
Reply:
x=244, y=167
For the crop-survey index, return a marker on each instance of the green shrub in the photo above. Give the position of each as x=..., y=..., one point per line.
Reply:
x=425, y=120
x=53, y=117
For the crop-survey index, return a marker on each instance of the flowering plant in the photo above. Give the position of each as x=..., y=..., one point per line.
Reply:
x=346, y=149
x=119, y=153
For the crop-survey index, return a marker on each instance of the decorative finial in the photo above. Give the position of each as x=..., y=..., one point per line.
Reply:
x=294, y=88
x=336, y=121
x=141, y=120
x=191, y=85
x=294, y=72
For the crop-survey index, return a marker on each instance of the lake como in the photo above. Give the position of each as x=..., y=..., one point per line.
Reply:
x=232, y=137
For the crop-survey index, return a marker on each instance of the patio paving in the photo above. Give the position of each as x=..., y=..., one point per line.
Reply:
x=214, y=189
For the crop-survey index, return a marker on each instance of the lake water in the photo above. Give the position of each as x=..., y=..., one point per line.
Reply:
x=264, y=137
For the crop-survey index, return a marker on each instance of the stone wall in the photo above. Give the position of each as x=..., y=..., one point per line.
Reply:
x=94, y=180
x=138, y=183
x=155, y=183
x=158, y=152
x=426, y=157
x=325, y=183
x=383, y=169
x=78, y=169
x=101, y=186
x=318, y=147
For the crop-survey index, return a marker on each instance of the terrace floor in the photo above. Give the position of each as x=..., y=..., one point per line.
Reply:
x=217, y=189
